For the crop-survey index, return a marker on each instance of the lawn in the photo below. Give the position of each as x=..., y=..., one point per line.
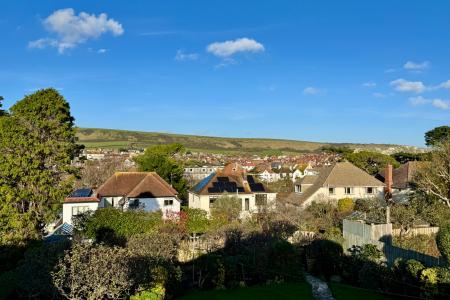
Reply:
x=346, y=292
x=260, y=292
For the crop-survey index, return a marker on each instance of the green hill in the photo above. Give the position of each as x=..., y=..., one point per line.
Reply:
x=111, y=138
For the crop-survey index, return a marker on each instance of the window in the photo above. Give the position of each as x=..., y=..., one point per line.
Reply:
x=298, y=188
x=168, y=202
x=133, y=203
x=369, y=190
x=331, y=191
x=211, y=201
x=247, y=204
x=76, y=210
x=348, y=190
x=261, y=199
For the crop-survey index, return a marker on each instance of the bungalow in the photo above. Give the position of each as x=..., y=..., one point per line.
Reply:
x=233, y=180
x=124, y=190
x=340, y=180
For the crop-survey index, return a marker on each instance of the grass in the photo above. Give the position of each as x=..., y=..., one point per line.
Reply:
x=346, y=292
x=261, y=292
x=111, y=138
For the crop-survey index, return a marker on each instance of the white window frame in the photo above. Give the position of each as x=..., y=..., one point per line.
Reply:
x=331, y=191
x=170, y=201
x=350, y=190
x=79, y=210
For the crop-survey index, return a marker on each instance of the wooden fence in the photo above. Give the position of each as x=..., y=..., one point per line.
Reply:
x=359, y=233
x=416, y=231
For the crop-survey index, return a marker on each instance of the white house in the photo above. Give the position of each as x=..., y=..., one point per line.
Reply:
x=125, y=190
x=80, y=201
x=340, y=180
x=233, y=181
x=139, y=190
x=198, y=173
x=297, y=174
x=269, y=176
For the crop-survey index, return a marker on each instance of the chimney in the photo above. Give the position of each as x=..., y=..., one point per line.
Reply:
x=388, y=181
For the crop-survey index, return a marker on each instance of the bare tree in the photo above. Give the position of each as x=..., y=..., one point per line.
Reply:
x=433, y=178
x=94, y=173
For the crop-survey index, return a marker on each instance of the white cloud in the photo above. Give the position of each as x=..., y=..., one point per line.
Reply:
x=369, y=84
x=414, y=66
x=416, y=101
x=391, y=70
x=442, y=104
x=228, y=48
x=181, y=56
x=445, y=85
x=72, y=30
x=438, y=103
x=102, y=51
x=312, y=91
x=403, y=85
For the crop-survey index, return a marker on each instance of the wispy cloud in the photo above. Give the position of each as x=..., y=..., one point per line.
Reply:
x=416, y=66
x=403, y=85
x=391, y=70
x=71, y=29
x=102, y=51
x=310, y=90
x=438, y=103
x=182, y=56
x=379, y=95
x=228, y=48
x=369, y=84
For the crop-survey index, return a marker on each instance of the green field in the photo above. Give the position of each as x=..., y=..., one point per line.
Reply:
x=109, y=138
x=283, y=291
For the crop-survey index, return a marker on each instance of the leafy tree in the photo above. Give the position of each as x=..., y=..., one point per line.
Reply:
x=433, y=178
x=196, y=221
x=371, y=162
x=437, y=135
x=404, y=157
x=161, y=159
x=443, y=241
x=227, y=208
x=37, y=143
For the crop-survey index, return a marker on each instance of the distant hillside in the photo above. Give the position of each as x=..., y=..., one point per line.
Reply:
x=110, y=138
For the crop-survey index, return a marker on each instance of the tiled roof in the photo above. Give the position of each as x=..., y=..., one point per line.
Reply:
x=403, y=175
x=341, y=174
x=136, y=184
x=232, y=174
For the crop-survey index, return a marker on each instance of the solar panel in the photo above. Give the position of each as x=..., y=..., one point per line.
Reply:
x=250, y=179
x=223, y=179
x=81, y=193
x=257, y=187
x=199, y=186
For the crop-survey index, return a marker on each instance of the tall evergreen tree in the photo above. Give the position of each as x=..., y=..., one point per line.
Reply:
x=37, y=143
x=2, y=112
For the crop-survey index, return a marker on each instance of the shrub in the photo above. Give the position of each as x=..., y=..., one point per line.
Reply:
x=345, y=205
x=443, y=241
x=112, y=226
x=93, y=272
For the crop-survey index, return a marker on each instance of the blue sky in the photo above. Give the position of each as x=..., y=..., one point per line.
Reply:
x=338, y=71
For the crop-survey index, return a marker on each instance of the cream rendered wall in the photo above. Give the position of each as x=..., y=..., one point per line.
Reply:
x=339, y=192
x=155, y=204
x=67, y=209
